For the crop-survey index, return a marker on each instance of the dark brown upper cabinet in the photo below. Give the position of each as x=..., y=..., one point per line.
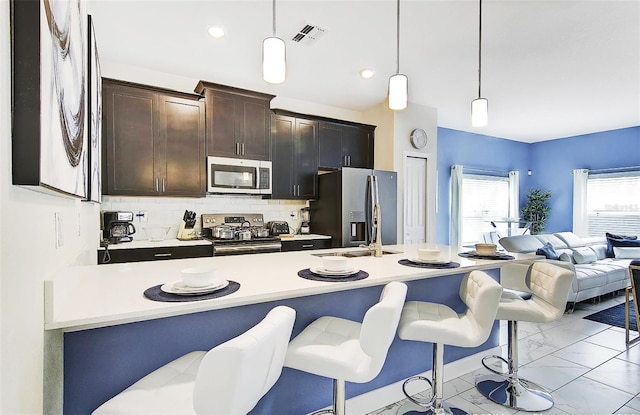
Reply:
x=153, y=141
x=343, y=144
x=238, y=122
x=294, y=143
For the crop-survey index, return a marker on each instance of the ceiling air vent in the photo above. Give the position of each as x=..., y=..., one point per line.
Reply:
x=309, y=34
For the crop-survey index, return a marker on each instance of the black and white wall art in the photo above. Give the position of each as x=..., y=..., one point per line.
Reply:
x=50, y=96
x=94, y=192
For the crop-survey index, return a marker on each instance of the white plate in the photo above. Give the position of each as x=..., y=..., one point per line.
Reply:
x=179, y=288
x=429, y=261
x=327, y=273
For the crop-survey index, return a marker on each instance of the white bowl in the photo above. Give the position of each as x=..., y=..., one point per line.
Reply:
x=334, y=263
x=156, y=233
x=199, y=276
x=428, y=253
x=486, y=249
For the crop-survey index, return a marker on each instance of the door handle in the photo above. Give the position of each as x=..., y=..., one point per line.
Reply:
x=157, y=184
x=349, y=159
x=161, y=255
x=237, y=149
x=163, y=184
x=242, y=149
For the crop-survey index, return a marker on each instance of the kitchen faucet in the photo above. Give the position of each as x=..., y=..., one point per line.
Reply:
x=375, y=245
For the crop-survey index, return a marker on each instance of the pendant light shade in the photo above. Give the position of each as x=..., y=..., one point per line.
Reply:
x=398, y=83
x=274, y=56
x=479, y=112
x=479, y=106
x=274, y=64
x=398, y=86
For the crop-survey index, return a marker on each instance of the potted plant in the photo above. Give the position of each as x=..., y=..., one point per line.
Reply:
x=536, y=210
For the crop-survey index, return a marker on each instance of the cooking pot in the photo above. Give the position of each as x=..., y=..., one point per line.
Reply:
x=259, y=232
x=244, y=234
x=223, y=232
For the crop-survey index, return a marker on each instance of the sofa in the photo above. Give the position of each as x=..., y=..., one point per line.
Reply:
x=595, y=273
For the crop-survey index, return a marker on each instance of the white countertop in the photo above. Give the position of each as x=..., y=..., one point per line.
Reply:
x=84, y=297
x=305, y=237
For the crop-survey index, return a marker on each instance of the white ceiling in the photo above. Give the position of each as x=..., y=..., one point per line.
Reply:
x=550, y=69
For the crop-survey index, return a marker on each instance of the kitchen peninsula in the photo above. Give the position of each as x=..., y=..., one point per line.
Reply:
x=113, y=335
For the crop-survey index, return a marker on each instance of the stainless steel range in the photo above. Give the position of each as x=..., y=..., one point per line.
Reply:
x=234, y=234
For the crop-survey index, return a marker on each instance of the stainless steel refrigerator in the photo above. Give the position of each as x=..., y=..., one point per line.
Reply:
x=343, y=209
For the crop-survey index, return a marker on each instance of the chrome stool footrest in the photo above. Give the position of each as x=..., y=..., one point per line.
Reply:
x=523, y=394
x=495, y=356
x=422, y=403
x=410, y=408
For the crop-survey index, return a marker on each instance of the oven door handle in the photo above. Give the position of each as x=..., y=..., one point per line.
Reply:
x=224, y=249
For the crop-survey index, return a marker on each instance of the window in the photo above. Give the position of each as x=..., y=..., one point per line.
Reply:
x=484, y=198
x=613, y=203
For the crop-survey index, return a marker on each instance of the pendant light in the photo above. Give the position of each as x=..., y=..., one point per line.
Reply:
x=479, y=106
x=398, y=83
x=274, y=64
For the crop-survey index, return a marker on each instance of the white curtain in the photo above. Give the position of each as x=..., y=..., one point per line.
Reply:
x=514, y=194
x=580, y=221
x=455, y=231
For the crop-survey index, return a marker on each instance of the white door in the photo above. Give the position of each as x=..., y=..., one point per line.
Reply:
x=415, y=200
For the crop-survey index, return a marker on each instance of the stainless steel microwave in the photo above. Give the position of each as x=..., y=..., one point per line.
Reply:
x=239, y=176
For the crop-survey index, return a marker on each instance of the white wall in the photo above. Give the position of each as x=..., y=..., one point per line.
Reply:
x=27, y=257
x=417, y=116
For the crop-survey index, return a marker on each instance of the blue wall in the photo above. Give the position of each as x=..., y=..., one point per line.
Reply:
x=476, y=151
x=551, y=163
x=554, y=160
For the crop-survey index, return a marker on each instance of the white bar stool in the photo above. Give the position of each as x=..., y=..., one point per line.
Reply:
x=229, y=379
x=345, y=350
x=549, y=285
x=440, y=325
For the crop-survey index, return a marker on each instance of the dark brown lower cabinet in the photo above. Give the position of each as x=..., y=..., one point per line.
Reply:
x=153, y=141
x=116, y=256
x=307, y=244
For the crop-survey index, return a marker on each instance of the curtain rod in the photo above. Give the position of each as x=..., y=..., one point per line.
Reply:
x=470, y=169
x=614, y=169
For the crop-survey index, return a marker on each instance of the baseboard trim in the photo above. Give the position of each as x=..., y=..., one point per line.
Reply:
x=386, y=395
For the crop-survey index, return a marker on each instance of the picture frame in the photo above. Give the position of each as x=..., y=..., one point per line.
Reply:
x=49, y=96
x=94, y=191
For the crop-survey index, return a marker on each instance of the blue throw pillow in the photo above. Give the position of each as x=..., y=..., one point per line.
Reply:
x=548, y=251
x=619, y=240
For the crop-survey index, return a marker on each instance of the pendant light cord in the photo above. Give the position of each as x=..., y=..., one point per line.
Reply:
x=274, y=18
x=480, y=51
x=398, y=37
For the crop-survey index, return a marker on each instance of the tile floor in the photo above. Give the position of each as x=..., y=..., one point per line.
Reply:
x=586, y=365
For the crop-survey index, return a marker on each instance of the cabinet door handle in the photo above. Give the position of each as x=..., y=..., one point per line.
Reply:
x=344, y=161
x=237, y=149
x=307, y=246
x=293, y=190
x=161, y=255
x=349, y=159
x=157, y=184
x=242, y=149
x=163, y=184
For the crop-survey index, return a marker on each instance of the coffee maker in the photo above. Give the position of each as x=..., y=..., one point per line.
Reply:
x=117, y=227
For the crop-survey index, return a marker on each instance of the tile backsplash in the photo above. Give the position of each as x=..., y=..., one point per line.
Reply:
x=168, y=211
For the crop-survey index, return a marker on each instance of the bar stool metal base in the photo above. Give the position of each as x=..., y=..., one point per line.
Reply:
x=410, y=408
x=523, y=395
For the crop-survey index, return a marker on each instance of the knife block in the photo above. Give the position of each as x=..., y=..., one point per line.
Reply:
x=185, y=234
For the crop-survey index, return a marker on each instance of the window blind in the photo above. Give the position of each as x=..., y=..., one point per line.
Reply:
x=613, y=203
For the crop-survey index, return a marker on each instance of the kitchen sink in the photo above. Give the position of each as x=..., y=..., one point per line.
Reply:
x=358, y=253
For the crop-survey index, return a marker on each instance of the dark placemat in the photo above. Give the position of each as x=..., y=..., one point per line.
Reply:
x=478, y=256
x=156, y=294
x=307, y=274
x=410, y=263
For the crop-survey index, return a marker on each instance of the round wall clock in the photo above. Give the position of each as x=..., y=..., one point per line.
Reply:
x=418, y=138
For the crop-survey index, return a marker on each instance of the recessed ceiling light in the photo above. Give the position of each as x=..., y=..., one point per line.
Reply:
x=367, y=73
x=216, y=32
